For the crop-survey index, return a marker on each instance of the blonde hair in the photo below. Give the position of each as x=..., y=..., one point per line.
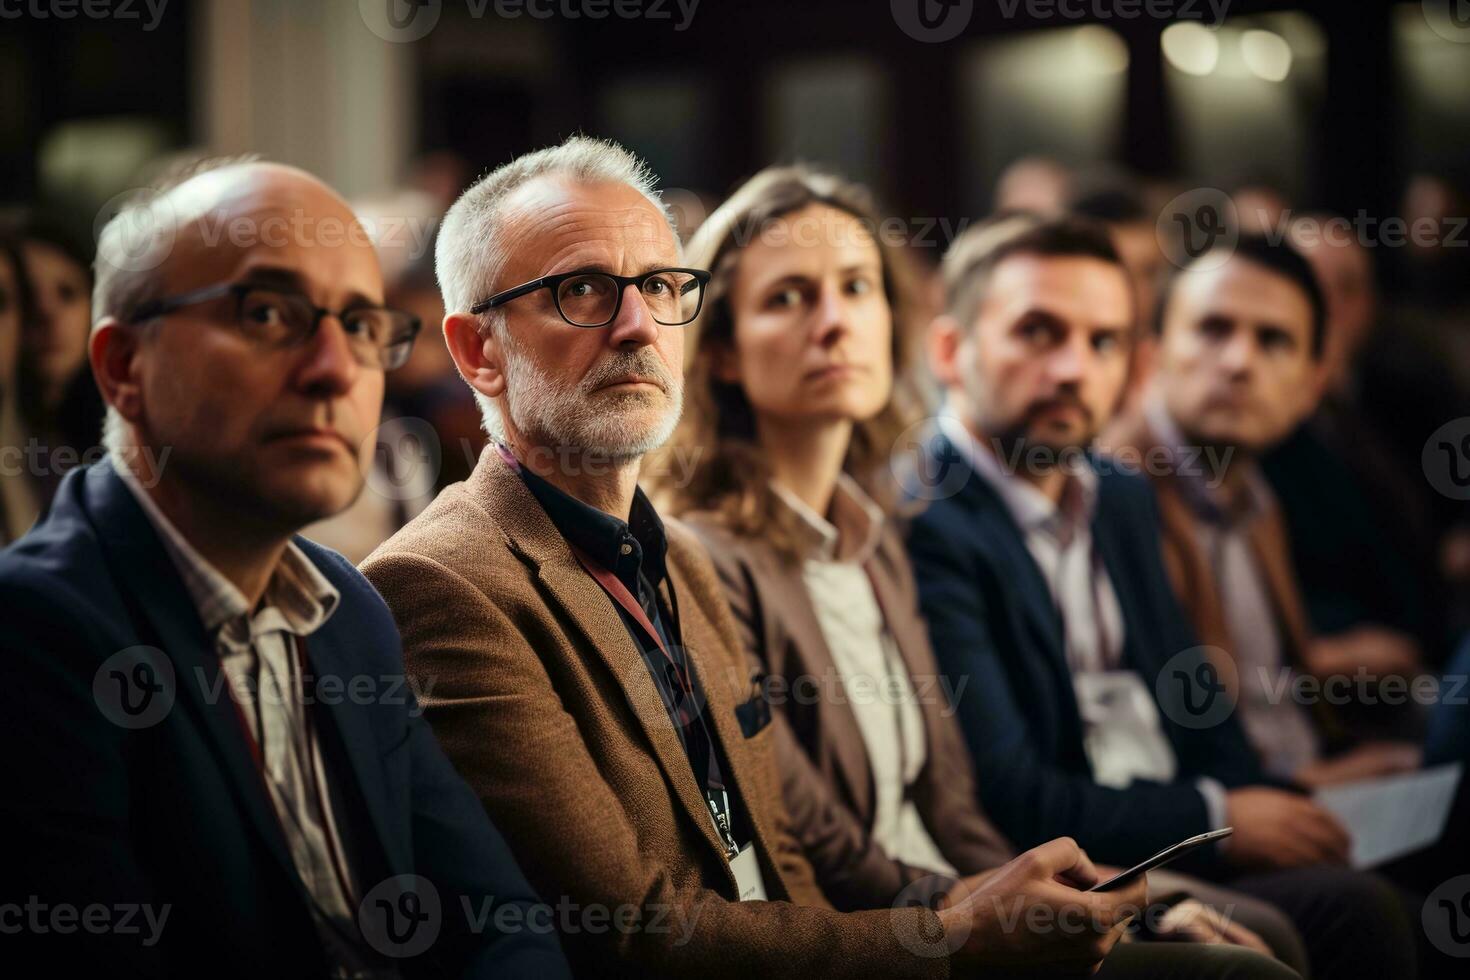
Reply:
x=730, y=475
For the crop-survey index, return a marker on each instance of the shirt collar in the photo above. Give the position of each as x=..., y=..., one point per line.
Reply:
x=853, y=531
x=625, y=547
x=297, y=592
x=1208, y=502
x=1031, y=509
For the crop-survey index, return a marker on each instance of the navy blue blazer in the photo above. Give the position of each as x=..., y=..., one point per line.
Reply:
x=167, y=813
x=996, y=629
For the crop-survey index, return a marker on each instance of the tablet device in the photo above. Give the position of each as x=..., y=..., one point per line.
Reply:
x=1163, y=857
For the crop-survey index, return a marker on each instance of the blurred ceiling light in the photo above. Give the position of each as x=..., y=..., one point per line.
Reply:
x=1192, y=48
x=1103, y=48
x=1267, y=55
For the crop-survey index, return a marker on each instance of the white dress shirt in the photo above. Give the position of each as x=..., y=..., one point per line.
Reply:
x=874, y=676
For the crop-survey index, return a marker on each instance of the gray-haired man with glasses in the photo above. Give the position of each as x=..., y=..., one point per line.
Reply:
x=206, y=717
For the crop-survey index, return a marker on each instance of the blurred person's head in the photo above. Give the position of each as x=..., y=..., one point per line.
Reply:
x=14, y=309
x=1260, y=208
x=222, y=369
x=417, y=292
x=1344, y=270
x=802, y=336
x=582, y=209
x=1240, y=346
x=1033, y=184
x=1120, y=204
x=1034, y=349
x=54, y=342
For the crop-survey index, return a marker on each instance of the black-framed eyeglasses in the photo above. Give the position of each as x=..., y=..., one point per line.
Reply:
x=593, y=299
x=275, y=316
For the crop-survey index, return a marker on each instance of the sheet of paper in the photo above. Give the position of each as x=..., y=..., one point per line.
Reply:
x=1393, y=815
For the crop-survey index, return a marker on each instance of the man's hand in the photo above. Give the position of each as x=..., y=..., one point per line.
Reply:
x=1032, y=911
x=1276, y=829
x=1192, y=921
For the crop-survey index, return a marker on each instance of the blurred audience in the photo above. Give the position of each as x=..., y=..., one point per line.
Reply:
x=60, y=407
x=1039, y=571
x=1033, y=184
x=1362, y=541
x=1242, y=337
x=18, y=498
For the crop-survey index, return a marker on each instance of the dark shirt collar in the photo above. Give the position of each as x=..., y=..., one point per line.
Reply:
x=624, y=547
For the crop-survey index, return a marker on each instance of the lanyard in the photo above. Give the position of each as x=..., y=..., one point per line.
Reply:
x=715, y=793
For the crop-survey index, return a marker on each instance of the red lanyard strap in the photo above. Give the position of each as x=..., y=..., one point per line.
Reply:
x=619, y=592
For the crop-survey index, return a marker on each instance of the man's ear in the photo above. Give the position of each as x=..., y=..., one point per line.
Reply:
x=479, y=358
x=942, y=343
x=113, y=351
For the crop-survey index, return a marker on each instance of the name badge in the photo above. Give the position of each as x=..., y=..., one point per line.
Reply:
x=748, y=875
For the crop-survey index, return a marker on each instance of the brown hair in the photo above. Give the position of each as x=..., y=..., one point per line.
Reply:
x=717, y=432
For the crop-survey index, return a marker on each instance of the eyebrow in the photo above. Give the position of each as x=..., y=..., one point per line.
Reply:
x=796, y=277
x=281, y=276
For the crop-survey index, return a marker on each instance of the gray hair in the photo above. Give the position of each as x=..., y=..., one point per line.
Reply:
x=131, y=250
x=469, y=250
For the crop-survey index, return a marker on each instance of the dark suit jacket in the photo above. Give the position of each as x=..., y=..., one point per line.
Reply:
x=175, y=813
x=779, y=626
x=995, y=628
x=545, y=704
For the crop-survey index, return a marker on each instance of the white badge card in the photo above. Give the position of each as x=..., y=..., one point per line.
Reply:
x=748, y=875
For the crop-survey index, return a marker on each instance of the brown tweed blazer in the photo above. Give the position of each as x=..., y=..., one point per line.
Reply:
x=540, y=697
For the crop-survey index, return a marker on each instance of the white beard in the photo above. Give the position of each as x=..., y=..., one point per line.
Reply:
x=581, y=418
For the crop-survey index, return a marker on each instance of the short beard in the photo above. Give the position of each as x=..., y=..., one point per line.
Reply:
x=564, y=417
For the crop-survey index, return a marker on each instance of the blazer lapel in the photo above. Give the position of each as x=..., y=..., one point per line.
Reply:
x=328, y=656
x=839, y=724
x=165, y=616
x=1002, y=537
x=536, y=540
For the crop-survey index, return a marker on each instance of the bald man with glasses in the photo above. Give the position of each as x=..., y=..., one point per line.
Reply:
x=213, y=758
